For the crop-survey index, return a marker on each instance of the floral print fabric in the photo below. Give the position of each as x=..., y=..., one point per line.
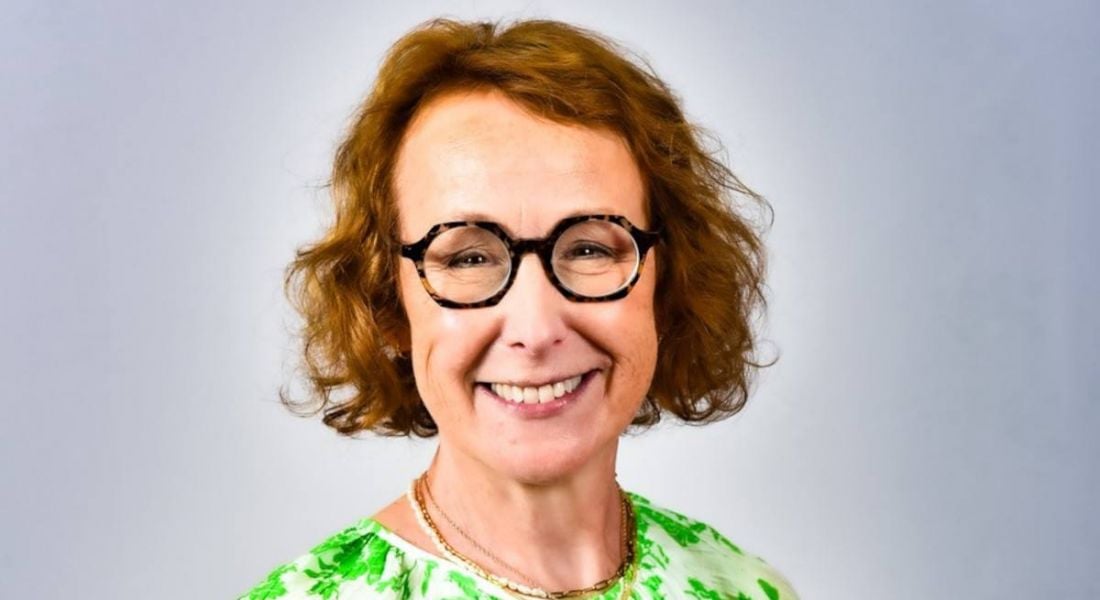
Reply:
x=675, y=557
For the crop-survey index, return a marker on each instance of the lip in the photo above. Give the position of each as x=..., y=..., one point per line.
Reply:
x=547, y=381
x=545, y=409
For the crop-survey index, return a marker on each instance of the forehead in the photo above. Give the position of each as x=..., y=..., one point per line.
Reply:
x=480, y=155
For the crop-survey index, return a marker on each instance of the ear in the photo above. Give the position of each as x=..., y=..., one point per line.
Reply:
x=398, y=342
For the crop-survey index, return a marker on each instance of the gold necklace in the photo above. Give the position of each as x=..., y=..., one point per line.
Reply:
x=462, y=532
x=626, y=569
x=625, y=572
x=624, y=550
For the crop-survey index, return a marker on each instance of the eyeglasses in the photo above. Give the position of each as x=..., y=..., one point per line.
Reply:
x=588, y=258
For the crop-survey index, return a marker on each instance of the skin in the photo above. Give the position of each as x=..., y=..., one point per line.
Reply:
x=540, y=492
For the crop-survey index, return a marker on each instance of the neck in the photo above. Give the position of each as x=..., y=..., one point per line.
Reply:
x=561, y=533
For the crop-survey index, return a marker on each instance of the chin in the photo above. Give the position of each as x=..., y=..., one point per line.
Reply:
x=548, y=464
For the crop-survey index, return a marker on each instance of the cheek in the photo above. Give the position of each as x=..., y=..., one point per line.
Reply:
x=445, y=343
x=640, y=312
x=455, y=341
x=639, y=349
x=426, y=329
x=630, y=333
x=643, y=326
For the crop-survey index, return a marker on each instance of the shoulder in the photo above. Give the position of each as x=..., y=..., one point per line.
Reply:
x=689, y=557
x=357, y=561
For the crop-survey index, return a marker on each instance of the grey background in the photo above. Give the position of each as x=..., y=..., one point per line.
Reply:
x=930, y=429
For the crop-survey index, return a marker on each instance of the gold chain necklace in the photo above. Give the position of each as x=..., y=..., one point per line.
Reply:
x=625, y=572
x=462, y=532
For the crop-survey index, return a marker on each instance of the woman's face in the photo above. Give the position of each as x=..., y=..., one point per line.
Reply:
x=479, y=156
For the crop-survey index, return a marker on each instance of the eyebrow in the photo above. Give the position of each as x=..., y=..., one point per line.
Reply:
x=467, y=215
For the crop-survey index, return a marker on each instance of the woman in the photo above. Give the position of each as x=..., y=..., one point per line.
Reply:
x=531, y=253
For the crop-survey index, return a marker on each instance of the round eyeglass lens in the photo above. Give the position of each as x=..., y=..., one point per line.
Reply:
x=467, y=264
x=595, y=258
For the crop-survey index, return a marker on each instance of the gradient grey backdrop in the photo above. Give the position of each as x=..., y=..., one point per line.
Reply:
x=930, y=429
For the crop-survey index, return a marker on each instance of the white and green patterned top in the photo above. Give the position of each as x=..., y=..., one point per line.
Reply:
x=676, y=557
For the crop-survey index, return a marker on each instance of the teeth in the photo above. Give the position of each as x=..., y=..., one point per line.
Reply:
x=535, y=395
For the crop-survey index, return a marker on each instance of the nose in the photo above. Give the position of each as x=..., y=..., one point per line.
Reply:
x=533, y=311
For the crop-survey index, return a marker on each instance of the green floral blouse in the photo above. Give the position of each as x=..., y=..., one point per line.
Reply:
x=676, y=557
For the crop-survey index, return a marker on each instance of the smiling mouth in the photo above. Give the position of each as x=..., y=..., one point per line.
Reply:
x=543, y=394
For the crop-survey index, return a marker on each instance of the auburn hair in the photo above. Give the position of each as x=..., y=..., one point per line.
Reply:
x=711, y=271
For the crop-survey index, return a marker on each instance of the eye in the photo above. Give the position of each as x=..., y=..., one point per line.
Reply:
x=588, y=250
x=467, y=259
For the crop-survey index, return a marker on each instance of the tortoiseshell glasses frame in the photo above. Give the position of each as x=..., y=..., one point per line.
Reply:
x=542, y=247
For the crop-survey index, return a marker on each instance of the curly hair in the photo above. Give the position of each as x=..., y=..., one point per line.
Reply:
x=713, y=261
